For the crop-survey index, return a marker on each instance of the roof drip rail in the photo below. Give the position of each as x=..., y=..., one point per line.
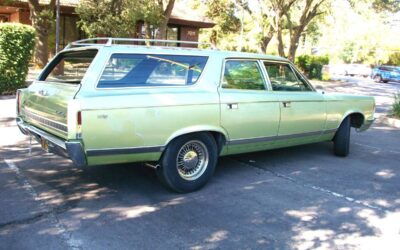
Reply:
x=108, y=41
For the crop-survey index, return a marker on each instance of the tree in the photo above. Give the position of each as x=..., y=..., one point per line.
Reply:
x=42, y=17
x=222, y=13
x=119, y=17
x=162, y=32
x=309, y=10
x=271, y=13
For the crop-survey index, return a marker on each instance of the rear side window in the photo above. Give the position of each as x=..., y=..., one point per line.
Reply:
x=69, y=67
x=242, y=74
x=132, y=70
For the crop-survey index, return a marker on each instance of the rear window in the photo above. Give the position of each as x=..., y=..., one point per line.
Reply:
x=69, y=67
x=132, y=70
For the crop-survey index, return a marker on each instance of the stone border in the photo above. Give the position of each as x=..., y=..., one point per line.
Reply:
x=392, y=122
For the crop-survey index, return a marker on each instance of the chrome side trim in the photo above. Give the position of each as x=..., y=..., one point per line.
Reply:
x=278, y=137
x=120, y=151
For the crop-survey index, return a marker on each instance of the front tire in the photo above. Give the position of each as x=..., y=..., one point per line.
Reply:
x=341, y=141
x=188, y=162
x=378, y=78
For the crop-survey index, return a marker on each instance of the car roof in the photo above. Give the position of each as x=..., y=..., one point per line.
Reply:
x=178, y=50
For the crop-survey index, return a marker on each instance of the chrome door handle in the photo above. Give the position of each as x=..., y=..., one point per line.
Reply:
x=232, y=105
x=286, y=104
x=43, y=92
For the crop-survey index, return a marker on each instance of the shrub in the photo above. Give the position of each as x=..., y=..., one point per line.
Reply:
x=17, y=42
x=312, y=65
x=396, y=105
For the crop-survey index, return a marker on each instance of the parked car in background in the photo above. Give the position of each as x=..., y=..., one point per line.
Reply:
x=386, y=74
x=357, y=70
x=179, y=108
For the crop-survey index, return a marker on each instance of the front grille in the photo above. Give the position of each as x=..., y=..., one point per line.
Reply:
x=45, y=121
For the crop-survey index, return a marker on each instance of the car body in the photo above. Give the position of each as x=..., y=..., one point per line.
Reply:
x=126, y=103
x=386, y=74
x=357, y=70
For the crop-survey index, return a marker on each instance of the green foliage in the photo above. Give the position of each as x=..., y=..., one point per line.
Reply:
x=394, y=59
x=396, y=105
x=17, y=42
x=312, y=65
x=116, y=18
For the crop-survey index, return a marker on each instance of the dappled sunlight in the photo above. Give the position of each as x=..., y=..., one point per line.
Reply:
x=385, y=173
x=140, y=210
x=385, y=232
x=304, y=215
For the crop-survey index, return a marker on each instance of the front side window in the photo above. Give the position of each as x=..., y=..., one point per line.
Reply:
x=283, y=78
x=69, y=67
x=242, y=74
x=132, y=70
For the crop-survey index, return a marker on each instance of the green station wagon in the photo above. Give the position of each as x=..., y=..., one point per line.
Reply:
x=106, y=101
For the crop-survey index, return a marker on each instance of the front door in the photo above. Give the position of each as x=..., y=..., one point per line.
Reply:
x=303, y=110
x=249, y=112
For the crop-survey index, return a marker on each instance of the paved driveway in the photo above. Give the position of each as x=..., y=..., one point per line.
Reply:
x=296, y=198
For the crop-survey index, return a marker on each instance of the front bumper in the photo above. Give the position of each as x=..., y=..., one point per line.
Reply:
x=366, y=125
x=69, y=149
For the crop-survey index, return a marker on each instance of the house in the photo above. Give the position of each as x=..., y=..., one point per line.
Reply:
x=184, y=23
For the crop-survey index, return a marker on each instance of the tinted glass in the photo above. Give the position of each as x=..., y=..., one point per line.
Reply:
x=69, y=67
x=283, y=78
x=240, y=74
x=130, y=70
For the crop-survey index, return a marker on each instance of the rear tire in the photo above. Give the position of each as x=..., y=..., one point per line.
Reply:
x=188, y=162
x=341, y=141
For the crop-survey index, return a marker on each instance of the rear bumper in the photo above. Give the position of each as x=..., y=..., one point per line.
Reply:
x=69, y=149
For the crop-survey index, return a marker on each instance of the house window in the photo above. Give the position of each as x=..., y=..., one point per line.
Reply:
x=4, y=18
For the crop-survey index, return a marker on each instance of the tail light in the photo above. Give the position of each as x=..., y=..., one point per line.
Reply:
x=18, y=101
x=79, y=118
x=79, y=125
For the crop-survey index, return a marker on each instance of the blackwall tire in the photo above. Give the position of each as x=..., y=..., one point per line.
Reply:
x=341, y=141
x=188, y=162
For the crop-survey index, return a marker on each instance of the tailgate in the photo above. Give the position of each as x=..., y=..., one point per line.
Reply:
x=45, y=103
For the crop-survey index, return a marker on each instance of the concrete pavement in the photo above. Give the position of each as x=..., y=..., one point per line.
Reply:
x=297, y=198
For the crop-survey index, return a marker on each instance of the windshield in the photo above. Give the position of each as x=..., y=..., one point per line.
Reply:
x=69, y=67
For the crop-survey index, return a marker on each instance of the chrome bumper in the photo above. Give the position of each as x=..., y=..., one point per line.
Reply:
x=69, y=149
x=366, y=125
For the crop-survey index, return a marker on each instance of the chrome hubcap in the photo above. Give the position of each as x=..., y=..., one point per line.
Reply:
x=192, y=160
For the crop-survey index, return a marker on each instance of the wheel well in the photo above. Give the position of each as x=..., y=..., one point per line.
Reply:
x=356, y=120
x=218, y=137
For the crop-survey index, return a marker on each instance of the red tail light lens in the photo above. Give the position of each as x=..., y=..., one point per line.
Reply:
x=79, y=118
x=18, y=101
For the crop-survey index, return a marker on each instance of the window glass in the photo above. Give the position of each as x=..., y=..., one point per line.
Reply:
x=130, y=70
x=240, y=74
x=283, y=78
x=69, y=67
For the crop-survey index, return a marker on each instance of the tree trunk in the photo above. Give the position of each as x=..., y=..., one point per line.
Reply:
x=294, y=44
x=162, y=29
x=281, y=49
x=267, y=39
x=42, y=48
x=41, y=21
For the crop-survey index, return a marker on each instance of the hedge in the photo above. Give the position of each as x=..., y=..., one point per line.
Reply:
x=312, y=65
x=17, y=42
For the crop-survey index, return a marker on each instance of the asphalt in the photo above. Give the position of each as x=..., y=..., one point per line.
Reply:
x=296, y=198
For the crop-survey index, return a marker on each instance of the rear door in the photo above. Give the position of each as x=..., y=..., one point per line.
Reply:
x=45, y=103
x=249, y=112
